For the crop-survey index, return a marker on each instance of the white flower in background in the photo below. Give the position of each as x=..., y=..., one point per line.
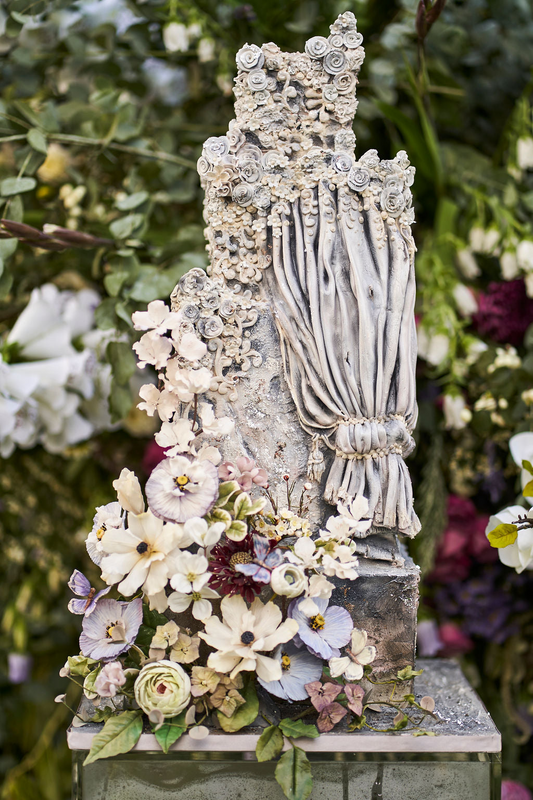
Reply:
x=433, y=349
x=467, y=264
x=288, y=580
x=465, y=300
x=202, y=534
x=509, y=265
x=206, y=50
x=456, y=413
x=524, y=255
x=484, y=240
x=486, y=402
x=518, y=555
x=129, y=492
x=187, y=382
x=214, y=426
x=191, y=348
x=106, y=517
x=176, y=37
x=524, y=152
x=527, y=397
x=505, y=357
x=359, y=655
x=153, y=349
x=143, y=553
x=53, y=394
x=177, y=435
x=521, y=447
x=165, y=403
x=180, y=488
x=243, y=633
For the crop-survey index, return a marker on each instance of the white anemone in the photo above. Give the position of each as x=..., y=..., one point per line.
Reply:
x=180, y=488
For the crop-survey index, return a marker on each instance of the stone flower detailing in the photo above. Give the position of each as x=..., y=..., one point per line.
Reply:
x=328, y=238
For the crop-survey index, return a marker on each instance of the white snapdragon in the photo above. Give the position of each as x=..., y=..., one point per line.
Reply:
x=129, y=492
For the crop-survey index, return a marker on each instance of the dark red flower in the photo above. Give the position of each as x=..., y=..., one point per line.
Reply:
x=153, y=455
x=223, y=560
x=505, y=312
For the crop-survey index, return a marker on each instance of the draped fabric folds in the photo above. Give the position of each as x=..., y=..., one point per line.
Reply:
x=343, y=290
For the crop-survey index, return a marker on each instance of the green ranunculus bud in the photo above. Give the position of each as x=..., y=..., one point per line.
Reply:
x=163, y=685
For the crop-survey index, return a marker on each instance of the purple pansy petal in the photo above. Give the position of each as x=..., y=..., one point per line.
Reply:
x=304, y=668
x=338, y=627
x=79, y=584
x=77, y=606
x=92, y=605
x=274, y=559
x=94, y=639
x=248, y=569
x=261, y=546
x=323, y=642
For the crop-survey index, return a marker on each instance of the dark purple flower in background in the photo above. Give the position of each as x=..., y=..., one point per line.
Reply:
x=79, y=584
x=505, y=312
x=513, y=790
x=265, y=560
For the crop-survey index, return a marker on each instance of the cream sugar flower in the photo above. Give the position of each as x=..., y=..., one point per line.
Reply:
x=166, y=403
x=144, y=553
x=177, y=435
x=153, y=349
x=359, y=655
x=180, y=488
x=242, y=633
x=185, y=383
x=157, y=317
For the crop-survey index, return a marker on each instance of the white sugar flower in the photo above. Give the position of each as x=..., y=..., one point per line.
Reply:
x=191, y=348
x=305, y=554
x=165, y=403
x=288, y=580
x=188, y=382
x=199, y=594
x=319, y=588
x=128, y=491
x=203, y=534
x=153, y=349
x=106, y=517
x=143, y=553
x=178, y=435
x=342, y=565
x=353, y=512
x=212, y=425
x=242, y=633
x=180, y=488
x=157, y=317
x=191, y=569
x=519, y=554
x=359, y=655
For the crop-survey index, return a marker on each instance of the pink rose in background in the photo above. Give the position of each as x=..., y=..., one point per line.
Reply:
x=153, y=455
x=512, y=790
x=504, y=312
x=463, y=540
x=454, y=641
x=249, y=473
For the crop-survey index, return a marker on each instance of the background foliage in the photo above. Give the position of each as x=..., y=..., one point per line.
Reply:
x=103, y=110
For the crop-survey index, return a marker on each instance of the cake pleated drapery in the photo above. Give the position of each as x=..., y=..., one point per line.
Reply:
x=342, y=289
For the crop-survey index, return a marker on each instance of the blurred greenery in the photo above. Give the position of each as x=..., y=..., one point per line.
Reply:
x=102, y=119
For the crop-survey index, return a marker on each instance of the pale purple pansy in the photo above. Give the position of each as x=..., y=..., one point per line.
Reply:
x=111, y=629
x=325, y=631
x=298, y=668
x=264, y=562
x=79, y=584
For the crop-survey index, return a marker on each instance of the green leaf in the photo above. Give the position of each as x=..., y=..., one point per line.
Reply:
x=114, y=282
x=528, y=489
x=102, y=714
x=245, y=714
x=527, y=465
x=37, y=140
x=7, y=247
x=153, y=618
x=88, y=684
x=104, y=314
x=293, y=773
x=153, y=284
x=124, y=227
x=81, y=665
x=132, y=201
x=11, y=186
x=118, y=735
x=170, y=731
x=270, y=744
x=357, y=724
x=122, y=360
x=503, y=535
x=297, y=729
x=237, y=530
x=407, y=673
x=424, y=733
x=225, y=491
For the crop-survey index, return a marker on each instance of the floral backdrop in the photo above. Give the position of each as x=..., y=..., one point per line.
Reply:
x=104, y=106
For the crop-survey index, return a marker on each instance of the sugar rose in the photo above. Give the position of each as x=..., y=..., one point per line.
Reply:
x=164, y=686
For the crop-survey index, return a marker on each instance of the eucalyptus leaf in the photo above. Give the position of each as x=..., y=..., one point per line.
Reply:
x=12, y=186
x=293, y=773
x=124, y=227
x=119, y=735
x=132, y=201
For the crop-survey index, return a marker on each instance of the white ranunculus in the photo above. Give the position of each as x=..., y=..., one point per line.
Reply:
x=518, y=555
x=288, y=580
x=129, y=492
x=164, y=686
x=180, y=488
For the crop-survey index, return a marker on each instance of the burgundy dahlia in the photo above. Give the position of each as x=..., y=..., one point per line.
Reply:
x=224, y=558
x=505, y=312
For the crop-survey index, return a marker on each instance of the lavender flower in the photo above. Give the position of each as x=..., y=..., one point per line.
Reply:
x=326, y=630
x=298, y=667
x=264, y=562
x=79, y=584
x=111, y=629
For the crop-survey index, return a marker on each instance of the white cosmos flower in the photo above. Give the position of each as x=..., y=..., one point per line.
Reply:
x=359, y=655
x=106, y=517
x=243, y=633
x=129, y=492
x=143, y=553
x=191, y=348
x=157, y=317
x=203, y=534
x=199, y=597
x=178, y=435
x=191, y=569
x=188, y=382
x=166, y=403
x=153, y=349
x=213, y=426
x=180, y=488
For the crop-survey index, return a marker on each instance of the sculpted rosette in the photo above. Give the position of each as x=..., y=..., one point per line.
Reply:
x=249, y=57
x=164, y=686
